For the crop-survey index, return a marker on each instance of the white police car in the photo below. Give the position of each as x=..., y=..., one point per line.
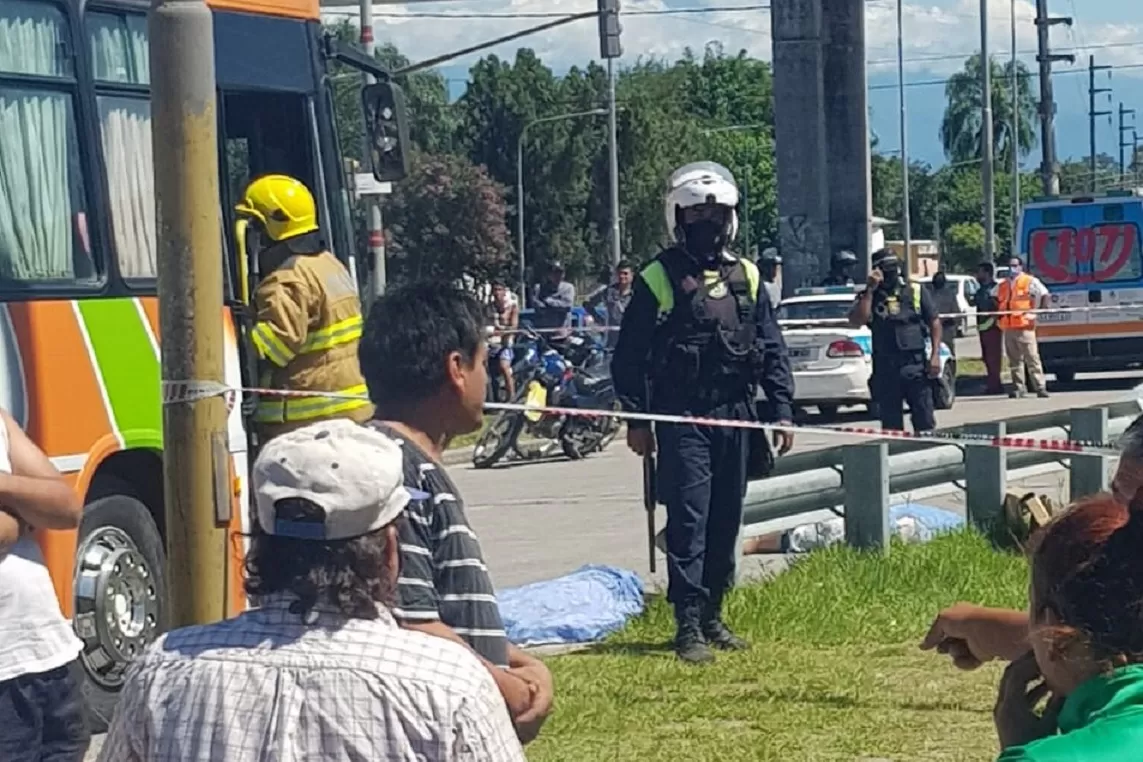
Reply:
x=832, y=363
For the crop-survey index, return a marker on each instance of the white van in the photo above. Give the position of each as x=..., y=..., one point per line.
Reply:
x=966, y=288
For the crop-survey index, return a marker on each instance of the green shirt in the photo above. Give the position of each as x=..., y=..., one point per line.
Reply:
x=1101, y=722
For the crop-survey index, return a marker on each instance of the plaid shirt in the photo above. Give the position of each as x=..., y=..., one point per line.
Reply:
x=266, y=686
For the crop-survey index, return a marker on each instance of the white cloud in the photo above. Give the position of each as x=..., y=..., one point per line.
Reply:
x=939, y=34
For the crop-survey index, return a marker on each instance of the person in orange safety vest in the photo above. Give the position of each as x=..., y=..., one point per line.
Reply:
x=1017, y=295
x=308, y=313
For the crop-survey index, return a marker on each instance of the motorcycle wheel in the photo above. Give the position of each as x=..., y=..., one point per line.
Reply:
x=497, y=440
x=589, y=439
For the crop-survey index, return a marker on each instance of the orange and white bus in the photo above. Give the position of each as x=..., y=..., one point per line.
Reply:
x=78, y=314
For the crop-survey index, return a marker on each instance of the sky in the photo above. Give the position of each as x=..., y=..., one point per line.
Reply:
x=939, y=35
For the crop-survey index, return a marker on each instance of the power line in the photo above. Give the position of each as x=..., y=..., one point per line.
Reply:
x=558, y=14
x=962, y=56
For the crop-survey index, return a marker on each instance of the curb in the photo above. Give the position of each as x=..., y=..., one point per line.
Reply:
x=457, y=456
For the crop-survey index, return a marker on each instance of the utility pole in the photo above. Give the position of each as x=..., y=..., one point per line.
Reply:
x=906, y=227
x=1124, y=128
x=611, y=48
x=1049, y=170
x=986, y=137
x=195, y=459
x=1135, y=153
x=1014, y=143
x=376, y=230
x=1093, y=91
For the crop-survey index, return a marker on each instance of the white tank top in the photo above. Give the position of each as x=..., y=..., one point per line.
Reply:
x=34, y=636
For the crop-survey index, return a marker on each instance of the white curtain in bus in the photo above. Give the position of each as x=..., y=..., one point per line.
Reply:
x=119, y=55
x=126, y=128
x=36, y=211
x=119, y=48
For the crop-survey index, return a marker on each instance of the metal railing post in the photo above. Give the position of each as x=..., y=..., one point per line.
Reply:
x=1088, y=473
x=865, y=476
x=985, y=477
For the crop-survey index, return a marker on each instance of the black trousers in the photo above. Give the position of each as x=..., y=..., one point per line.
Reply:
x=894, y=384
x=702, y=481
x=42, y=718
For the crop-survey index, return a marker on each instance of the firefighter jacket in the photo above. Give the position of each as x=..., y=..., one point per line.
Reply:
x=307, y=331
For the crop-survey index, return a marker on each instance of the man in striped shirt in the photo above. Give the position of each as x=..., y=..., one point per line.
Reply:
x=424, y=357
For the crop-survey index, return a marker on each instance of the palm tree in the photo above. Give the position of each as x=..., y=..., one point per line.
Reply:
x=961, y=126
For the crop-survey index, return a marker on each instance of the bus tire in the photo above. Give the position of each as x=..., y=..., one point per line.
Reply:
x=119, y=596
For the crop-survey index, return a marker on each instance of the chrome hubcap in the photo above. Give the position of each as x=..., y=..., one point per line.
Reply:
x=116, y=604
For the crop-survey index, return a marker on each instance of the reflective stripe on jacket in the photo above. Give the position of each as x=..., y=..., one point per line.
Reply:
x=1016, y=297
x=309, y=326
x=657, y=279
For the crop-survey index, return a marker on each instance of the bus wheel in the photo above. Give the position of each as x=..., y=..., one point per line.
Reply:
x=119, y=596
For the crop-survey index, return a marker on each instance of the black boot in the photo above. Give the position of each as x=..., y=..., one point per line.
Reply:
x=715, y=631
x=690, y=646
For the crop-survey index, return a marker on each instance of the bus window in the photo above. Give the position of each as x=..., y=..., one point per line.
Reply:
x=1098, y=253
x=121, y=69
x=44, y=232
x=1049, y=255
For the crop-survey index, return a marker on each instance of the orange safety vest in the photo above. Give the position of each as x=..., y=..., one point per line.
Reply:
x=1016, y=297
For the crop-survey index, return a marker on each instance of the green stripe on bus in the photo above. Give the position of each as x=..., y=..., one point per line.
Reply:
x=127, y=362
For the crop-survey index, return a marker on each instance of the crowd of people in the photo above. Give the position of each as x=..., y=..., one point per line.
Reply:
x=374, y=630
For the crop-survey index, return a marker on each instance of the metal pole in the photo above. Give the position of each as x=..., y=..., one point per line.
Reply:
x=520, y=182
x=195, y=459
x=373, y=207
x=986, y=136
x=613, y=159
x=906, y=226
x=746, y=213
x=1092, y=114
x=520, y=212
x=1122, y=156
x=1015, y=141
x=1091, y=120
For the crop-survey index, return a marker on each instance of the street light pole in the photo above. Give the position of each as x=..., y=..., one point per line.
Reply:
x=520, y=184
x=613, y=162
x=906, y=228
x=986, y=136
x=1014, y=140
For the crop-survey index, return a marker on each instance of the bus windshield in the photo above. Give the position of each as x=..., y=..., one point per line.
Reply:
x=1083, y=244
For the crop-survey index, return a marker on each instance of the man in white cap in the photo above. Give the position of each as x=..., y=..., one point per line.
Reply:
x=320, y=670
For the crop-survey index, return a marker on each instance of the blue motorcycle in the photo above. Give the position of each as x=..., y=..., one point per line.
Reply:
x=570, y=372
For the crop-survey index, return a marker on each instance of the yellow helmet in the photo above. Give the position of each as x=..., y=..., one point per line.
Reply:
x=283, y=206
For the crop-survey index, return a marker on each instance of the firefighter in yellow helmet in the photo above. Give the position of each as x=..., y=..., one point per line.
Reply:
x=308, y=312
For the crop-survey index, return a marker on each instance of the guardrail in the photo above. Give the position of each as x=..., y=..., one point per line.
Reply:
x=817, y=480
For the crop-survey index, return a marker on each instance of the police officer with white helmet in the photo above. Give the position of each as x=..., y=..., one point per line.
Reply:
x=697, y=338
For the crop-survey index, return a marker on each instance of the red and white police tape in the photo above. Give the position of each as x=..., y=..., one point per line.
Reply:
x=176, y=392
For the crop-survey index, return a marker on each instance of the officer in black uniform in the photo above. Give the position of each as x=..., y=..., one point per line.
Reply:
x=841, y=269
x=698, y=337
x=900, y=315
x=770, y=263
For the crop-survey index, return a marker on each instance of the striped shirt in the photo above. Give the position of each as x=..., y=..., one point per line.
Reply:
x=443, y=574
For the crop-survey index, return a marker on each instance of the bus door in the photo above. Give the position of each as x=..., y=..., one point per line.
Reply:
x=1051, y=235
x=1110, y=269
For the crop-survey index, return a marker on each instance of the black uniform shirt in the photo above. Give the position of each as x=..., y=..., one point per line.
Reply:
x=631, y=363
x=884, y=338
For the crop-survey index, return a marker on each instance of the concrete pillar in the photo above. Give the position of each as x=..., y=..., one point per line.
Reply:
x=986, y=477
x=865, y=475
x=1088, y=474
x=847, y=129
x=801, y=144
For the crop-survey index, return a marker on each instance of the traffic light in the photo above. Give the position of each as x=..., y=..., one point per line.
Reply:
x=388, y=128
x=609, y=29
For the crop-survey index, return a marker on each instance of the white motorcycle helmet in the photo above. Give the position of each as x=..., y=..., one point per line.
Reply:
x=703, y=182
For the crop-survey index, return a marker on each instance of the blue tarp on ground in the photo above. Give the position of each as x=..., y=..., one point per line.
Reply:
x=582, y=607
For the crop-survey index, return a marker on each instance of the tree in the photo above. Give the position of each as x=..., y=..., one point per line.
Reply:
x=963, y=244
x=961, y=128
x=446, y=221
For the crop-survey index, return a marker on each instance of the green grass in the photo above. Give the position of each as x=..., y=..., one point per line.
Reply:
x=835, y=672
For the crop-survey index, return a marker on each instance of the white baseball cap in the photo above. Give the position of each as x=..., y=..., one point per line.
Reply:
x=354, y=473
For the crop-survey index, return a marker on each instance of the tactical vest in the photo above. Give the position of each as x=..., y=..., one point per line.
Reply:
x=705, y=353
x=897, y=324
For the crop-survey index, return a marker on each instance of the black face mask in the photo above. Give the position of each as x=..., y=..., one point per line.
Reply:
x=704, y=239
x=891, y=276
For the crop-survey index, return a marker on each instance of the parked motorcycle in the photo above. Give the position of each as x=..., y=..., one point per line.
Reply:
x=525, y=357
x=570, y=372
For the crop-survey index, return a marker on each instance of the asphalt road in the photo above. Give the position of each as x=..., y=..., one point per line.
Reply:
x=538, y=520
